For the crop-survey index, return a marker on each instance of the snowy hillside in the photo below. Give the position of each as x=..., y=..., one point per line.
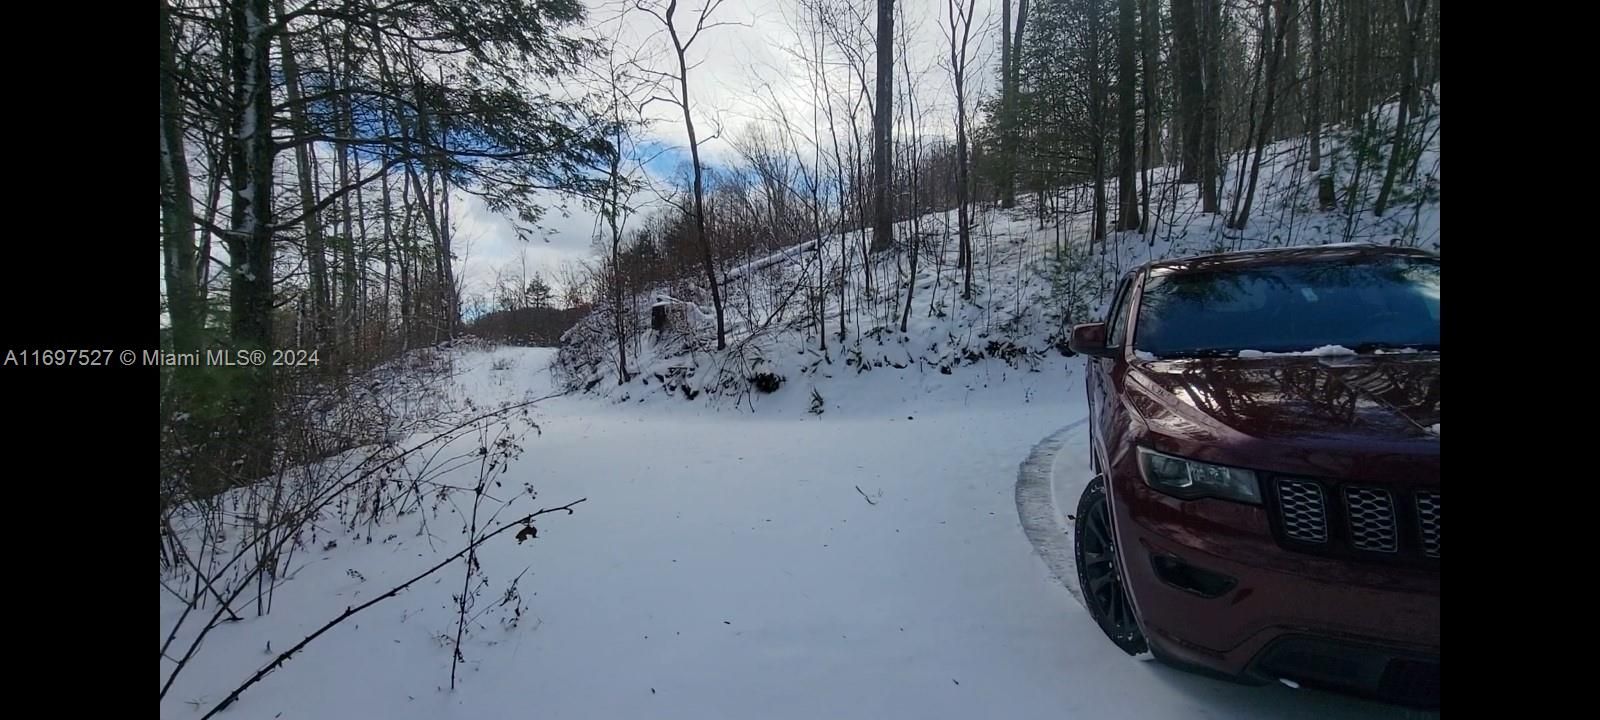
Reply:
x=1033, y=279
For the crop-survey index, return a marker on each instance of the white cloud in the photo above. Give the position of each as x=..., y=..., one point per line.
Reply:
x=487, y=242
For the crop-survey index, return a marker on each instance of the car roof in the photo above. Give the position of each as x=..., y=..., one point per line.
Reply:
x=1287, y=255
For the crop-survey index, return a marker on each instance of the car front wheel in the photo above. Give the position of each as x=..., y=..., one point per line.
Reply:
x=1099, y=576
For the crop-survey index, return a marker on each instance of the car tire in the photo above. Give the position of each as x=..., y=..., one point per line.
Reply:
x=1099, y=575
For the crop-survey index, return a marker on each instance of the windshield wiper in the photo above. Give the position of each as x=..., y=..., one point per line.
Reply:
x=1368, y=347
x=1199, y=353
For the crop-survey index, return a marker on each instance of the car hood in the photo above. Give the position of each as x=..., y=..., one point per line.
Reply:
x=1383, y=399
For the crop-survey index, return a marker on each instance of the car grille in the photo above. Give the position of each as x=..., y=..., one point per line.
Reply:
x=1371, y=513
x=1356, y=519
x=1304, y=517
x=1428, y=521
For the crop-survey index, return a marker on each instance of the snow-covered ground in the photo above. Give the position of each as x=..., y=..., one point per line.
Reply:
x=729, y=565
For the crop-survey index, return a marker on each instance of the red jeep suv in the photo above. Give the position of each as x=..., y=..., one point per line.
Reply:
x=1265, y=437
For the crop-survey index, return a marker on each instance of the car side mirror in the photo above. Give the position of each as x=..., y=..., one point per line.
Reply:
x=1090, y=339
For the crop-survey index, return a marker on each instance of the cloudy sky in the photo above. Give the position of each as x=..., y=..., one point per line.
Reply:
x=739, y=72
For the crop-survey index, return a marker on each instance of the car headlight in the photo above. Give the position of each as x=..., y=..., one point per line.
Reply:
x=1189, y=479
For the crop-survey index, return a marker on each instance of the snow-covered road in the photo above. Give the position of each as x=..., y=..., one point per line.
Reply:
x=725, y=565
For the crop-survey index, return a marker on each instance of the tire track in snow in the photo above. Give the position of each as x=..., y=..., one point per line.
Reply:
x=1036, y=508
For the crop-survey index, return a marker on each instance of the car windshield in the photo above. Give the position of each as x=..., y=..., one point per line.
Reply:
x=1364, y=305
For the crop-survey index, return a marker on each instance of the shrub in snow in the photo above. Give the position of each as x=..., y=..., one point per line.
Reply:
x=347, y=467
x=766, y=382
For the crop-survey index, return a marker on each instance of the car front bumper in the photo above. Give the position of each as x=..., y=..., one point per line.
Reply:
x=1215, y=591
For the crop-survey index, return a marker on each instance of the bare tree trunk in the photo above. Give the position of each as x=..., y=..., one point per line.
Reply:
x=1191, y=87
x=618, y=309
x=860, y=184
x=250, y=241
x=1285, y=11
x=817, y=81
x=1011, y=74
x=425, y=203
x=1008, y=190
x=1149, y=36
x=883, y=130
x=388, y=268
x=450, y=297
x=1408, y=92
x=414, y=286
x=351, y=272
x=1325, y=194
x=404, y=257
x=434, y=201
x=1292, y=114
x=1363, y=57
x=958, y=68
x=1211, y=108
x=315, y=243
x=914, y=174
x=389, y=244
x=613, y=214
x=1127, y=119
x=1342, y=96
x=1434, y=75
x=841, y=221
x=1097, y=117
x=178, y=259
x=363, y=280
x=707, y=262
x=441, y=254
x=216, y=161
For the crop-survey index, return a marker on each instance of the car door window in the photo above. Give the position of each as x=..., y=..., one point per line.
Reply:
x=1117, y=321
